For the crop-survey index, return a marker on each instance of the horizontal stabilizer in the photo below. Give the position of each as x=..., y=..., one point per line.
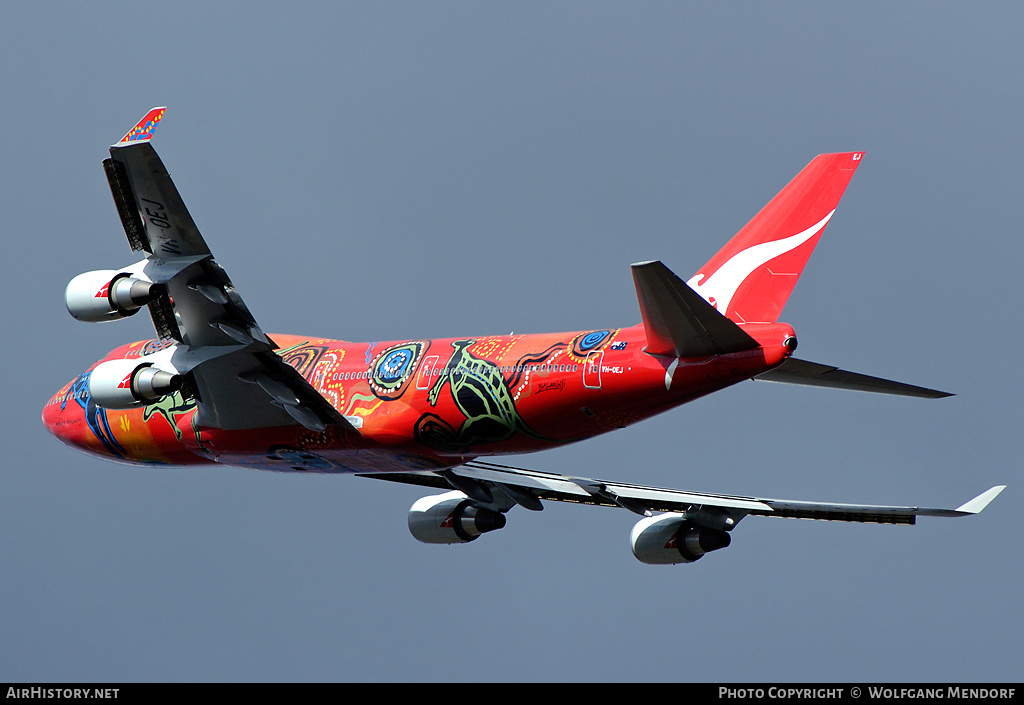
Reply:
x=812, y=374
x=678, y=322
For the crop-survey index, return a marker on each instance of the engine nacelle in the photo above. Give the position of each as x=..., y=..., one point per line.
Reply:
x=106, y=295
x=670, y=538
x=451, y=518
x=125, y=384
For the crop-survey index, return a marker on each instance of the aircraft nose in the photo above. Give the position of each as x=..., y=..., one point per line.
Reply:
x=74, y=419
x=63, y=418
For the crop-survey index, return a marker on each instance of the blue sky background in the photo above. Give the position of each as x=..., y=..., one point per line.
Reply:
x=378, y=171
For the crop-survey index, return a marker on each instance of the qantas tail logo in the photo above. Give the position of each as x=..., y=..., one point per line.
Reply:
x=719, y=289
x=750, y=279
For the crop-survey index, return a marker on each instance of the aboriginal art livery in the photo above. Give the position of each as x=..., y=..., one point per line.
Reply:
x=212, y=387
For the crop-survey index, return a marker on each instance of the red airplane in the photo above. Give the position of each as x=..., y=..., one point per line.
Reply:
x=214, y=388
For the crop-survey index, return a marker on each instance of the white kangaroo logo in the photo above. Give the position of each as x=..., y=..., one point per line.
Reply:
x=720, y=287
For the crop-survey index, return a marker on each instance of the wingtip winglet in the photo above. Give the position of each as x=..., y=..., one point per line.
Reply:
x=981, y=501
x=144, y=128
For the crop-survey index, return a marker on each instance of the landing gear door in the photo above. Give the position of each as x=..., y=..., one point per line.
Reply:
x=592, y=370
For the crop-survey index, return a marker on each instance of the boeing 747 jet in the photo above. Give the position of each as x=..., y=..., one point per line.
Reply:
x=212, y=387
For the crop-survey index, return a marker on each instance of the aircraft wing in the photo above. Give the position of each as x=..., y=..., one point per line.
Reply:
x=501, y=487
x=234, y=374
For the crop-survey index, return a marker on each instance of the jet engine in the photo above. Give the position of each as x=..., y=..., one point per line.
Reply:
x=107, y=295
x=125, y=384
x=451, y=518
x=671, y=538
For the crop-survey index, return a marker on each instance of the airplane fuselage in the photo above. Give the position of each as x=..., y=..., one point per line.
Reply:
x=421, y=404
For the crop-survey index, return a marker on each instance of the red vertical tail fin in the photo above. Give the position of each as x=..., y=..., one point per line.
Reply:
x=750, y=279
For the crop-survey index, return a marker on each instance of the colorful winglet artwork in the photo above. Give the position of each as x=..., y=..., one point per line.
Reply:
x=143, y=130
